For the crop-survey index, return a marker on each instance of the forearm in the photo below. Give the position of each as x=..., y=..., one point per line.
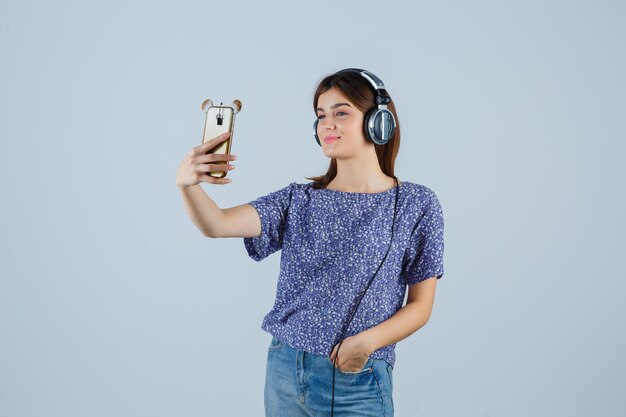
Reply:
x=402, y=324
x=202, y=211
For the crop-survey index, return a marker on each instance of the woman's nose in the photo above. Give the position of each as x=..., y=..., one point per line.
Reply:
x=326, y=123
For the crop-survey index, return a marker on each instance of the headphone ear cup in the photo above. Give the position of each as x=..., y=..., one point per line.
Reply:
x=380, y=125
x=315, y=132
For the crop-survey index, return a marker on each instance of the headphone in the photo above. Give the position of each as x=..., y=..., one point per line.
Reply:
x=379, y=123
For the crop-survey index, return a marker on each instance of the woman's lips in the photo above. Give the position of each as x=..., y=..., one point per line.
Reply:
x=330, y=139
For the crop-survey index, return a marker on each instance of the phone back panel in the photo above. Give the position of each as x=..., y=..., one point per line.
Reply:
x=219, y=120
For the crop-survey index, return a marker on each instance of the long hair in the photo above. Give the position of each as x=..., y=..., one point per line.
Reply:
x=360, y=92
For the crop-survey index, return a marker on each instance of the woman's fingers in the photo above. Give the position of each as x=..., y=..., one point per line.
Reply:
x=210, y=144
x=212, y=157
x=212, y=180
x=194, y=168
x=333, y=353
x=215, y=167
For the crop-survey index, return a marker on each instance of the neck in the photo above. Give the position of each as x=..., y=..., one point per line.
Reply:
x=361, y=175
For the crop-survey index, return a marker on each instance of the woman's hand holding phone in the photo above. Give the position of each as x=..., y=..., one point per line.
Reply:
x=195, y=167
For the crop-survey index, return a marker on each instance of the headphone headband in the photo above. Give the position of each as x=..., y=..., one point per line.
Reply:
x=376, y=83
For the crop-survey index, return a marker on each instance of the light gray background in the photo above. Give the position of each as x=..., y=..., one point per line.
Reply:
x=113, y=304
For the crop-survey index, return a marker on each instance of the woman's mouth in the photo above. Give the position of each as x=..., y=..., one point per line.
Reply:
x=331, y=139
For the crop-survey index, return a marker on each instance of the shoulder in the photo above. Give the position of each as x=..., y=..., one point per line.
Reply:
x=293, y=191
x=301, y=187
x=287, y=189
x=419, y=193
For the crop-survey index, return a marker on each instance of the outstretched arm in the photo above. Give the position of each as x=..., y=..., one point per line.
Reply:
x=239, y=221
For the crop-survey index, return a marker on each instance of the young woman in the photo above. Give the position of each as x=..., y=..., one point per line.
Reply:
x=352, y=240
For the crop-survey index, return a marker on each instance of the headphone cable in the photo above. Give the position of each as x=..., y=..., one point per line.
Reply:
x=345, y=327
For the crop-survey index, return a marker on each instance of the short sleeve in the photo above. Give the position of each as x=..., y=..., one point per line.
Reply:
x=272, y=209
x=424, y=255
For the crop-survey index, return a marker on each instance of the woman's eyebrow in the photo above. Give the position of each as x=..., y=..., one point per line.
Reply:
x=334, y=106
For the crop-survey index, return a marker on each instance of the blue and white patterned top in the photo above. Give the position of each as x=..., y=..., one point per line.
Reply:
x=332, y=243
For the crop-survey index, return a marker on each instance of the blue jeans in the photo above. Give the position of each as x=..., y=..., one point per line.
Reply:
x=298, y=384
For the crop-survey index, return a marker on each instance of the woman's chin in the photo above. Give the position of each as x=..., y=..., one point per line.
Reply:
x=331, y=153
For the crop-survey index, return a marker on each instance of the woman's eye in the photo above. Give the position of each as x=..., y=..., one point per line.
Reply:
x=321, y=116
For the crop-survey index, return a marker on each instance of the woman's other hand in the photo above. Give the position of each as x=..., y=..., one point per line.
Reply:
x=353, y=353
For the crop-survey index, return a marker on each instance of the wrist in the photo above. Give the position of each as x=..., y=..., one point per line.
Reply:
x=370, y=341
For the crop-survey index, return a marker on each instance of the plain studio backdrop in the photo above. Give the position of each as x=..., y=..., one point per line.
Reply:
x=112, y=303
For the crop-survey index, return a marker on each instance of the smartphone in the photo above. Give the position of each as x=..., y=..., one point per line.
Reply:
x=219, y=119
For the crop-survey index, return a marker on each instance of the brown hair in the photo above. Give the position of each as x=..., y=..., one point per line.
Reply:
x=360, y=92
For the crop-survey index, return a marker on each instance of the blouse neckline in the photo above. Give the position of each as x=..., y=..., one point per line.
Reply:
x=352, y=193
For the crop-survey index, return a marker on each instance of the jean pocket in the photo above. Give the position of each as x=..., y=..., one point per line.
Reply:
x=366, y=368
x=275, y=344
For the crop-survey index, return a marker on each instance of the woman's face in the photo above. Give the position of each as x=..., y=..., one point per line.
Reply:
x=340, y=125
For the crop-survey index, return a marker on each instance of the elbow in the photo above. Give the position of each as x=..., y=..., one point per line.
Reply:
x=422, y=313
x=427, y=315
